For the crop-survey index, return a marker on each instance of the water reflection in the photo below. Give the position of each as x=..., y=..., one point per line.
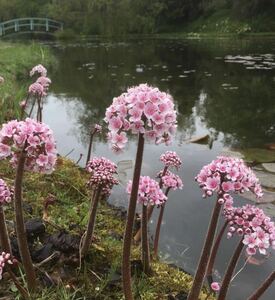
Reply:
x=232, y=104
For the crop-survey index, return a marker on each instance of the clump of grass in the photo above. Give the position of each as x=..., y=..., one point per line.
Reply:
x=16, y=60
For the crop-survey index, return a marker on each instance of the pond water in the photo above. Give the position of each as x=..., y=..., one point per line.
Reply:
x=224, y=88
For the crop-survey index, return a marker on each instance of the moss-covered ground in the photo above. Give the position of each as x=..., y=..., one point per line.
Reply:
x=99, y=276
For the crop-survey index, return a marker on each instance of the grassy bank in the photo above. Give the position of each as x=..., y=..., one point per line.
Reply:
x=16, y=60
x=99, y=277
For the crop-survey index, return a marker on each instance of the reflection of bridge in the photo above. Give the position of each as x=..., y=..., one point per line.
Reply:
x=28, y=25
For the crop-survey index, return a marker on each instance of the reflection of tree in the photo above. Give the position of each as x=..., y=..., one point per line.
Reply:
x=98, y=71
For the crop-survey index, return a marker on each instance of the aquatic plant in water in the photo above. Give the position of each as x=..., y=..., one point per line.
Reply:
x=169, y=181
x=170, y=159
x=149, y=113
x=6, y=195
x=222, y=176
x=101, y=182
x=30, y=146
x=149, y=193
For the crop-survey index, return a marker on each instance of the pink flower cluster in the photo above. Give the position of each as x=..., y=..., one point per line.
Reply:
x=39, y=69
x=40, y=87
x=34, y=138
x=171, y=159
x=5, y=258
x=142, y=109
x=149, y=192
x=102, y=174
x=228, y=174
x=171, y=180
x=254, y=225
x=6, y=194
x=37, y=90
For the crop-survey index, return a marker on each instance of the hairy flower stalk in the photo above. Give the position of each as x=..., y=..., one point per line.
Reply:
x=223, y=175
x=149, y=193
x=230, y=270
x=30, y=146
x=263, y=287
x=214, y=252
x=149, y=113
x=97, y=129
x=169, y=159
x=6, y=196
x=101, y=182
x=20, y=225
x=170, y=181
x=127, y=241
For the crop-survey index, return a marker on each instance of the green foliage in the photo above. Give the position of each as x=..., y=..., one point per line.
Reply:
x=16, y=60
x=113, y=17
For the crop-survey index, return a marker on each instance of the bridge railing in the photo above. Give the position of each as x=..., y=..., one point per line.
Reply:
x=30, y=24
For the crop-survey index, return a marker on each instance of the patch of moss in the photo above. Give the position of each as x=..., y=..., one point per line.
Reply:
x=99, y=277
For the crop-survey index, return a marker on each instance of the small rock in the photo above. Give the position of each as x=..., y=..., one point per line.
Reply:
x=43, y=252
x=270, y=167
x=35, y=228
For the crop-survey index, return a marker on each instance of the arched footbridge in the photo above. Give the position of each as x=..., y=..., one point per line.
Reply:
x=29, y=25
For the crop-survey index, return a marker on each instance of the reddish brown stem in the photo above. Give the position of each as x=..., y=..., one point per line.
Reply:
x=90, y=148
x=20, y=288
x=230, y=270
x=91, y=224
x=157, y=234
x=204, y=258
x=263, y=287
x=209, y=272
x=150, y=210
x=20, y=225
x=126, y=268
x=145, y=242
x=4, y=236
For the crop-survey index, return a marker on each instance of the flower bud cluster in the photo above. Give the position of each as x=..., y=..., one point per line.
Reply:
x=6, y=194
x=35, y=139
x=142, y=109
x=171, y=159
x=149, y=192
x=102, y=174
x=256, y=228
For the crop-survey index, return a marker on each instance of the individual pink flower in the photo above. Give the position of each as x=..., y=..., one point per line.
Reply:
x=142, y=109
x=34, y=138
x=215, y=286
x=5, y=258
x=171, y=159
x=256, y=228
x=6, y=194
x=39, y=69
x=149, y=192
x=228, y=174
x=102, y=174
